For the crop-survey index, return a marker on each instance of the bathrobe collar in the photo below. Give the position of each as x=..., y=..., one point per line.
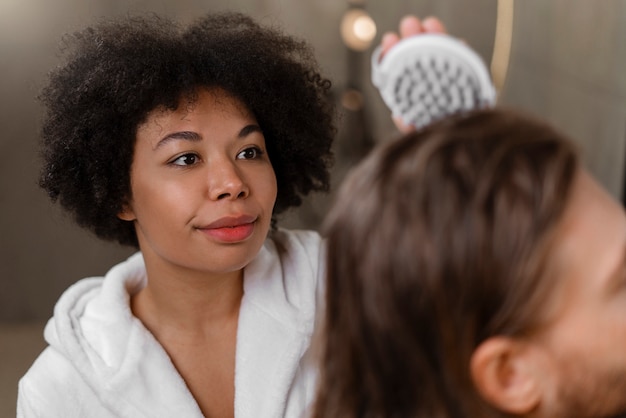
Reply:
x=132, y=374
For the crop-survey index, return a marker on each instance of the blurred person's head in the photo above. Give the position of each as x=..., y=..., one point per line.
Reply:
x=475, y=269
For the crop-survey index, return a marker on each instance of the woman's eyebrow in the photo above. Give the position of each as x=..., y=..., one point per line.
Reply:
x=194, y=137
x=182, y=135
x=248, y=129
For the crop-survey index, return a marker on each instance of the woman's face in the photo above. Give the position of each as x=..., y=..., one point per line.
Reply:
x=202, y=184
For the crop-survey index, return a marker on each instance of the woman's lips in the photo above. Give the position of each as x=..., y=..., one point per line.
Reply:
x=230, y=229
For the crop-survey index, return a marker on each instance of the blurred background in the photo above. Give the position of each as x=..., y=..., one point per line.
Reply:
x=564, y=60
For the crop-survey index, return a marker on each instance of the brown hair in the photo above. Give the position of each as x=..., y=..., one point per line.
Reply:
x=436, y=242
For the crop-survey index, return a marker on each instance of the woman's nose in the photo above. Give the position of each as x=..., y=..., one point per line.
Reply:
x=226, y=182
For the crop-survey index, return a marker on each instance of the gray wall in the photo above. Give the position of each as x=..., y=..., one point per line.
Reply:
x=568, y=64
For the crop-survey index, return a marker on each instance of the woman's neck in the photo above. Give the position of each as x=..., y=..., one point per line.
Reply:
x=188, y=305
x=194, y=316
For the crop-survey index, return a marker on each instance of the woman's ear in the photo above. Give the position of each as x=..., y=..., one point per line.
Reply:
x=505, y=375
x=126, y=214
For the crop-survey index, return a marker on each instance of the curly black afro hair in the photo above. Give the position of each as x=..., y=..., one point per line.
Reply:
x=118, y=71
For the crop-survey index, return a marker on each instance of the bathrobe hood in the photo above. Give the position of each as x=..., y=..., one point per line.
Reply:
x=100, y=356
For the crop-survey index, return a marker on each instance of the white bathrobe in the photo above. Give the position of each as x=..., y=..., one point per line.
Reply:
x=102, y=362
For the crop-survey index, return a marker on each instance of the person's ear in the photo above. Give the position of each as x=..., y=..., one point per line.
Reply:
x=127, y=213
x=505, y=375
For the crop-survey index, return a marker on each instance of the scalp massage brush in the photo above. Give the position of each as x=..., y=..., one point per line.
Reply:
x=427, y=77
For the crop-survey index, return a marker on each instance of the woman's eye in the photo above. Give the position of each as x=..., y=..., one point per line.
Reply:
x=249, y=154
x=185, y=160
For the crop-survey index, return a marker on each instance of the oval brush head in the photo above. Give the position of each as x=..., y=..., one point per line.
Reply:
x=427, y=77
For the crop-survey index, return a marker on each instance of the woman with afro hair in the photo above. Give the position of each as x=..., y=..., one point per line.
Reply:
x=184, y=142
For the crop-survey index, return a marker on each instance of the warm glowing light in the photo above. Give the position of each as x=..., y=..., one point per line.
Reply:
x=364, y=28
x=358, y=29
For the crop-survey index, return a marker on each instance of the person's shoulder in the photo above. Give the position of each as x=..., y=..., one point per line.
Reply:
x=291, y=261
x=52, y=387
x=131, y=268
x=121, y=278
x=300, y=249
x=298, y=240
x=302, y=254
x=49, y=370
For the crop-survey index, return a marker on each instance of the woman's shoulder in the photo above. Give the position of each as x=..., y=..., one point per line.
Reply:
x=110, y=290
x=288, y=270
x=53, y=387
x=299, y=250
x=298, y=239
